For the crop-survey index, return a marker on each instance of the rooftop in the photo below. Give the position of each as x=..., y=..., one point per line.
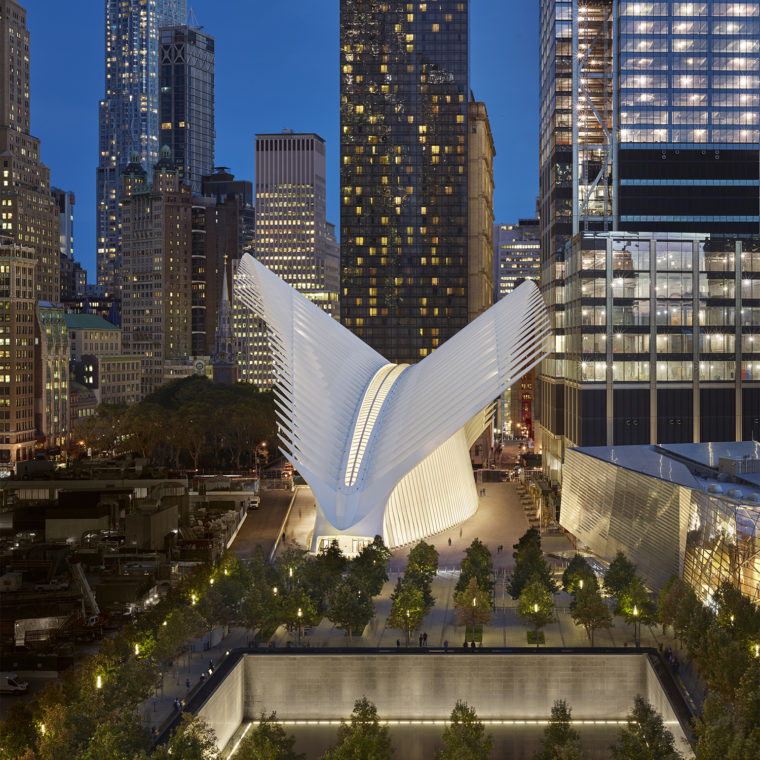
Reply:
x=88, y=322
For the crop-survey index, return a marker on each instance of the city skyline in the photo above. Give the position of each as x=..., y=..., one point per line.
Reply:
x=66, y=120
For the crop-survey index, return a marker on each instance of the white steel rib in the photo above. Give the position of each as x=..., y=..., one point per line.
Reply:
x=385, y=447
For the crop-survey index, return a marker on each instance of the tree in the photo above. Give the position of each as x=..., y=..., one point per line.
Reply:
x=561, y=741
x=268, y=741
x=529, y=563
x=578, y=570
x=192, y=740
x=465, y=737
x=422, y=563
x=478, y=564
x=721, y=737
x=370, y=567
x=17, y=732
x=350, y=607
x=363, y=738
x=669, y=600
x=472, y=606
x=407, y=608
x=619, y=575
x=536, y=606
x=736, y=613
x=590, y=610
x=645, y=737
x=634, y=604
x=122, y=737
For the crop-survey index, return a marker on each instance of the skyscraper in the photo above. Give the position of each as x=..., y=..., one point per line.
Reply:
x=649, y=221
x=293, y=238
x=516, y=255
x=186, y=80
x=128, y=112
x=404, y=87
x=291, y=201
x=157, y=262
x=28, y=214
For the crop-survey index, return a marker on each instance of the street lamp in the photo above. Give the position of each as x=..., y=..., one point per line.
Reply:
x=635, y=622
x=300, y=615
x=580, y=583
x=535, y=621
x=408, y=623
x=99, y=682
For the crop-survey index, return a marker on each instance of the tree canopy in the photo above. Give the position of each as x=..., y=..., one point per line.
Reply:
x=464, y=738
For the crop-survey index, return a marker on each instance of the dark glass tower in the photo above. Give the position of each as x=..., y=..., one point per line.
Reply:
x=403, y=143
x=186, y=101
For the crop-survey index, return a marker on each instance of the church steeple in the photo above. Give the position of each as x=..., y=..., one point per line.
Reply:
x=223, y=360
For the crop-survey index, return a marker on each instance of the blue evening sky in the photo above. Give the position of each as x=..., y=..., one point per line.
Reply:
x=276, y=68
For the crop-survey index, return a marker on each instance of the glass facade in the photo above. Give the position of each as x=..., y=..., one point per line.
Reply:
x=404, y=205
x=680, y=521
x=649, y=124
x=128, y=113
x=186, y=101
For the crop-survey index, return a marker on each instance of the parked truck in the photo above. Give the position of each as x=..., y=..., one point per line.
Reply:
x=9, y=684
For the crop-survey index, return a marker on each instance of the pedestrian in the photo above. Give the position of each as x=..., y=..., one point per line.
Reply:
x=177, y=705
x=187, y=682
x=203, y=676
x=420, y=639
x=424, y=639
x=398, y=643
x=449, y=540
x=465, y=644
x=472, y=644
x=445, y=645
x=211, y=666
x=460, y=533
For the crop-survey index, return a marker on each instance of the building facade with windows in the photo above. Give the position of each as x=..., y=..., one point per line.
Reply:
x=128, y=114
x=404, y=136
x=28, y=214
x=516, y=255
x=186, y=101
x=51, y=379
x=649, y=125
x=17, y=330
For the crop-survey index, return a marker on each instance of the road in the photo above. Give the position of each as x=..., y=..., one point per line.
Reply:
x=262, y=525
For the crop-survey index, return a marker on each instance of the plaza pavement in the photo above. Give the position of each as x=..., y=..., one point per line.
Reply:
x=500, y=520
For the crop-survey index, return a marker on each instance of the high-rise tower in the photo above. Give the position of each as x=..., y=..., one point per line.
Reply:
x=186, y=101
x=128, y=112
x=29, y=214
x=404, y=86
x=650, y=198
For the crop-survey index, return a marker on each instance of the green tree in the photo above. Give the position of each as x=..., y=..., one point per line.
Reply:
x=465, y=737
x=736, y=613
x=363, y=738
x=635, y=605
x=268, y=741
x=645, y=737
x=472, y=606
x=123, y=737
x=578, y=570
x=720, y=736
x=669, y=600
x=407, y=608
x=529, y=563
x=18, y=732
x=619, y=575
x=350, y=607
x=536, y=605
x=422, y=563
x=590, y=610
x=561, y=741
x=478, y=564
x=192, y=740
x=370, y=567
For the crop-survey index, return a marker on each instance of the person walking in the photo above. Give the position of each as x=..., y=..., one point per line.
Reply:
x=449, y=540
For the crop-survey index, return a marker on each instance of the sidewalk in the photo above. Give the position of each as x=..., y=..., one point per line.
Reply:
x=157, y=709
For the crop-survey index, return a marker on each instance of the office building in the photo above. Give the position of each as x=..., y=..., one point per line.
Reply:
x=516, y=255
x=73, y=275
x=157, y=266
x=91, y=334
x=128, y=113
x=17, y=299
x=649, y=125
x=186, y=101
x=480, y=184
x=292, y=236
x=404, y=135
x=51, y=379
x=28, y=214
x=691, y=510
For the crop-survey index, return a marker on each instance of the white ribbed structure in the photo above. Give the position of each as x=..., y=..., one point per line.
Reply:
x=385, y=448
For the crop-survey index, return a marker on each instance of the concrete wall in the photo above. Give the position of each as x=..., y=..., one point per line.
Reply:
x=498, y=686
x=223, y=710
